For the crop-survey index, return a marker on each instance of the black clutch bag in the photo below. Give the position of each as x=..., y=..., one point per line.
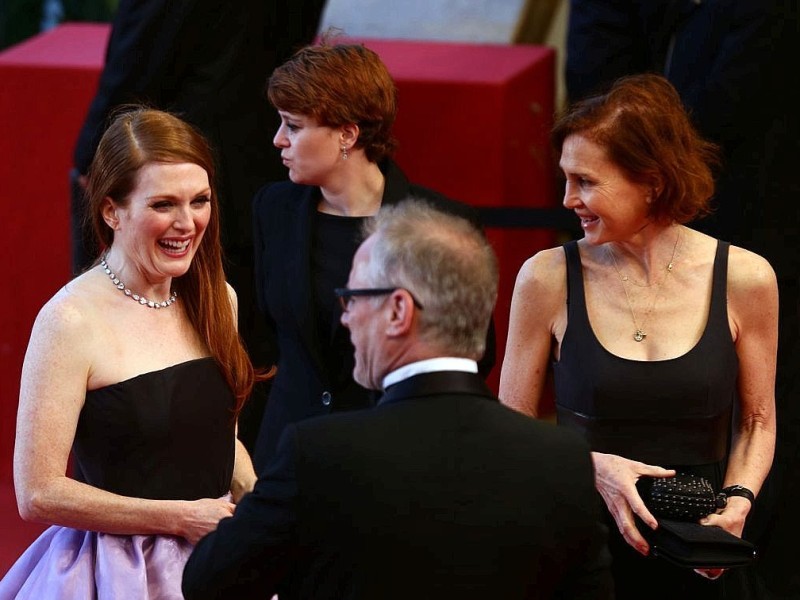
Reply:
x=678, y=503
x=684, y=497
x=697, y=546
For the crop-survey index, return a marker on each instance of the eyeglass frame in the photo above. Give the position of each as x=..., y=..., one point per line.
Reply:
x=344, y=295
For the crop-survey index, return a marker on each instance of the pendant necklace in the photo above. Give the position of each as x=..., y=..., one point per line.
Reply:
x=134, y=296
x=639, y=333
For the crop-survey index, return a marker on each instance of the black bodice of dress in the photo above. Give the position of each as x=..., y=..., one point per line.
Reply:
x=165, y=435
x=668, y=412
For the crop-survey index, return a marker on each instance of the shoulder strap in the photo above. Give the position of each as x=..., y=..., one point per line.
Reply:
x=574, y=269
x=719, y=285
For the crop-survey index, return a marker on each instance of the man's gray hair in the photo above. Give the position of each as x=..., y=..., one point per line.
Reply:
x=446, y=263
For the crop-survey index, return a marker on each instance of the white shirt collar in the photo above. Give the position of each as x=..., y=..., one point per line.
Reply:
x=430, y=365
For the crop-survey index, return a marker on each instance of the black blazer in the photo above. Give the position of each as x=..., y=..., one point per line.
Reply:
x=306, y=384
x=438, y=492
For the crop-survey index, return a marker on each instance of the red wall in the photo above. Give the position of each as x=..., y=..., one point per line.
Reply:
x=47, y=85
x=473, y=123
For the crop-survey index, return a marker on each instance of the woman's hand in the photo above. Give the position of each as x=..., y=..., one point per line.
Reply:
x=202, y=516
x=615, y=479
x=731, y=519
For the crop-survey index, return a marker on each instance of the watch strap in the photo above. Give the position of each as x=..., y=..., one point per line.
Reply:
x=739, y=490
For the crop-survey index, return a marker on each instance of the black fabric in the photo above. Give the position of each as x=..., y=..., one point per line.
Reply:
x=163, y=435
x=336, y=239
x=660, y=412
x=673, y=413
x=433, y=494
x=314, y=377
x=435, y=383
x=695, y=546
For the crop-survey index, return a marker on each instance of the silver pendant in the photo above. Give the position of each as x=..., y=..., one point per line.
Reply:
x=639, y=335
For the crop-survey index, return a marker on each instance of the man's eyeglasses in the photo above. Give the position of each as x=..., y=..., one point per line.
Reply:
x=346, y=295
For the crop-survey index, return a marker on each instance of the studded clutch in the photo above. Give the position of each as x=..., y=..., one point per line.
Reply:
x=684, y=497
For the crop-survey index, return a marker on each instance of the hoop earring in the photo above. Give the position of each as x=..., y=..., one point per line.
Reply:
x=345, y=155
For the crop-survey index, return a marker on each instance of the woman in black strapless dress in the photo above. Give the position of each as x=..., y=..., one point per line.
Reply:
x=136, y=367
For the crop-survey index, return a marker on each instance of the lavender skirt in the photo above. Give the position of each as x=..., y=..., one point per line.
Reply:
x=70, y=564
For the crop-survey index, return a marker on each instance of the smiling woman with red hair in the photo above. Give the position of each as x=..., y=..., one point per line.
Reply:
x=662, y=339
x=136, y=367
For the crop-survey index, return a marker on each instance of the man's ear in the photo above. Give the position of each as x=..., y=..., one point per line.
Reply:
x=401, y=313
x=109, y=211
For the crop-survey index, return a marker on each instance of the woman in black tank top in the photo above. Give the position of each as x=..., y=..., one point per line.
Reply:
x=662, y=339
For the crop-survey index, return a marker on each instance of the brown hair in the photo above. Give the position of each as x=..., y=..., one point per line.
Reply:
x=138, y=136
x=645, y=130
x=339, y=84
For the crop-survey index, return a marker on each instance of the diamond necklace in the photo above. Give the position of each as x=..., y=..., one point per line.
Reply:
x=173, y=296
x=639, y=333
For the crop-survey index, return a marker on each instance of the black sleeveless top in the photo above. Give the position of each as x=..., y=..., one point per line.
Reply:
x=163, y=435
x=667, y=412
x=335, y=241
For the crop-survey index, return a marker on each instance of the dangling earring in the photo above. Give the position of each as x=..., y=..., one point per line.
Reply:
x=345, y=155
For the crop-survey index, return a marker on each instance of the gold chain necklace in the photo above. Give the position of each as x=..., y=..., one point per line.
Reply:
x=639, y=333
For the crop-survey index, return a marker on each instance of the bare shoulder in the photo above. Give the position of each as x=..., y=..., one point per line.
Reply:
x=69, y=313
x=749, y=272
x=541, y=289
x=66, y=330
x=232, y=294
x=234, y=300
x=544, y=272
x=752, y=293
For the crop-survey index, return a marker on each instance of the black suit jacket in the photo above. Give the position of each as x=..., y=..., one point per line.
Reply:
x=438, y=492
x=308, y=384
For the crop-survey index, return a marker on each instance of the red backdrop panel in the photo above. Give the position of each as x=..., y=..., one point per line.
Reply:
x=47, y=85
x=473, y=123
